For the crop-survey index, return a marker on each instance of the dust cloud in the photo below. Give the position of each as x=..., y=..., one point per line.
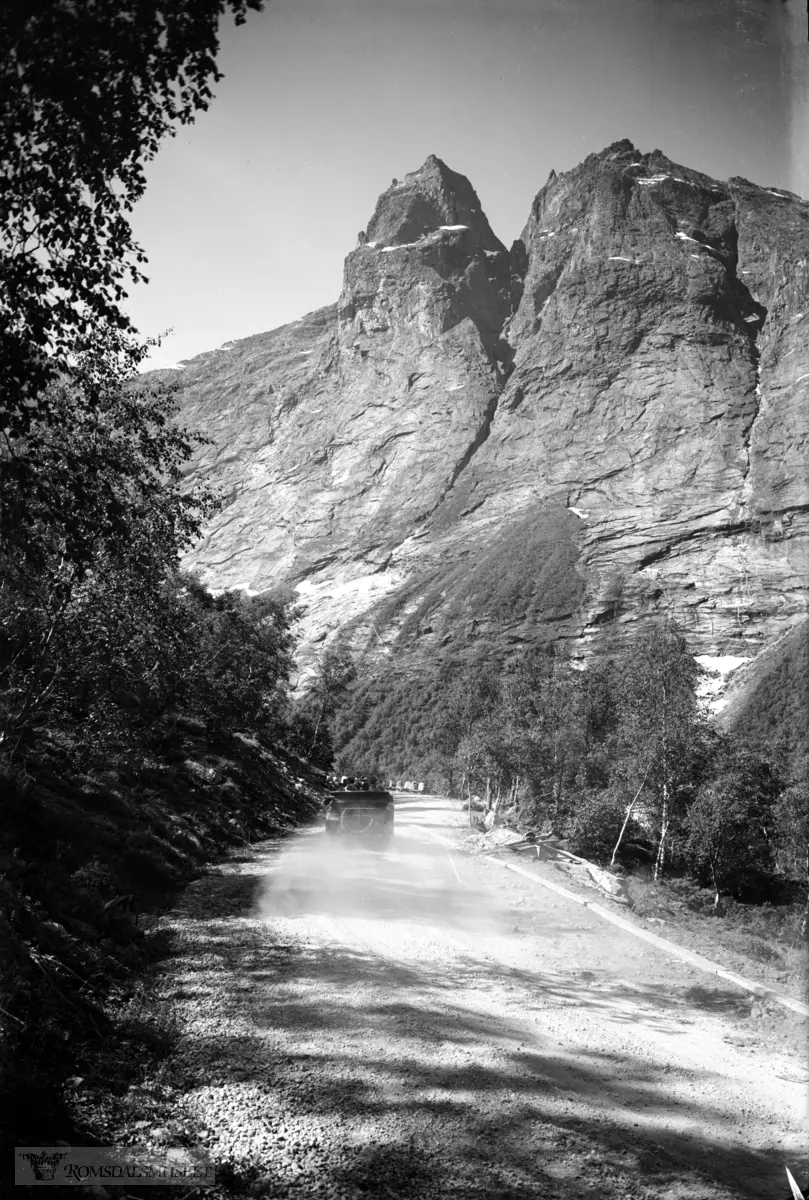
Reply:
x=411, y=880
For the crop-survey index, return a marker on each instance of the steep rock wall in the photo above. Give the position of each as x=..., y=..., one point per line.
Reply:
x=627, y=385
x=336, y=436
x=657, y=348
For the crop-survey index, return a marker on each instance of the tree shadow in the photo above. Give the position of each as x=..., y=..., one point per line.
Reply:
x=430, y=1093
x=344, y=1034
x=721, y=1000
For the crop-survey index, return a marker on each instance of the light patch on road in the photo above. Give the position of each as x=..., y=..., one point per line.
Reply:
x=410, y=882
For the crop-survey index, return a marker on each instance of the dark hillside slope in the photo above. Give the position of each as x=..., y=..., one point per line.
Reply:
x=770, y=699
x=83, y=851
x=520, y=589
x=521, y=584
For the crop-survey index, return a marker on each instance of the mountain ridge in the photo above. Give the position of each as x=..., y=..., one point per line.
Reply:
x=633, y=362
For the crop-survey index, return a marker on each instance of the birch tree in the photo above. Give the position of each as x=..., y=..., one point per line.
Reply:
x=661, y=725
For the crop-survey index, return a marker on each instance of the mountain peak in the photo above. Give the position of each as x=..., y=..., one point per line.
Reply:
x=623, y=146
x=431, y=198
x=474, y=453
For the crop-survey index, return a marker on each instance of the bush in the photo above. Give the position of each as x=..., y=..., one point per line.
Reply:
x=596, y=823
x=728, y=842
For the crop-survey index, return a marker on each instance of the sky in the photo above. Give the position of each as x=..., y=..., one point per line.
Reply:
x=250, y=212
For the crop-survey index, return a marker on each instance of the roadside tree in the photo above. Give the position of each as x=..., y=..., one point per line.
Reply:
x=315, y=709
x=661, y=728
x=791, y=814
x=93, y=533
x=235, y=658
x=542, y=731
x=88, y=91
x=471, y=698
x=731, y=821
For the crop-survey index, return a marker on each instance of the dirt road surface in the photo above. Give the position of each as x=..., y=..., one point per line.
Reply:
x=415, y=1023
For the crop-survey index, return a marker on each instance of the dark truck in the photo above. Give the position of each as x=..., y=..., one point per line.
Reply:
x=366, y=816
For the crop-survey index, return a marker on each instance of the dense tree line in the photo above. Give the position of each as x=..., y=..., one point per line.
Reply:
x=123, y=682
x=319, y=696
x=777, y=709
x=101, y=636
x=620, y=757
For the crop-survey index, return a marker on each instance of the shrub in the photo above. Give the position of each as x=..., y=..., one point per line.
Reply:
x=596, y=823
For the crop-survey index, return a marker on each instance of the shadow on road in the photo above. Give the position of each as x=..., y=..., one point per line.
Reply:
x=343, y=1031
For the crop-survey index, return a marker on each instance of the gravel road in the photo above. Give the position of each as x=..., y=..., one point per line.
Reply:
x=416, y=1023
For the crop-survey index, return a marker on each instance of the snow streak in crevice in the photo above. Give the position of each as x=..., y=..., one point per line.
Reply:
x=753, y=318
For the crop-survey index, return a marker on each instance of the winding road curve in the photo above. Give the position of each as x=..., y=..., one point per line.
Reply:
x=414, y=1023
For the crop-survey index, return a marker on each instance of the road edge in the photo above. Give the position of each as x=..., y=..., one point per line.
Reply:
x=695, y=960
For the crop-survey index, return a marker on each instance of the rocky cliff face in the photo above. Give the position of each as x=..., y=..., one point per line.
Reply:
x=606, y=423
x=659, y=391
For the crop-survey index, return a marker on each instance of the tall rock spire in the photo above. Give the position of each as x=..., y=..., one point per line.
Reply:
x=427, y=200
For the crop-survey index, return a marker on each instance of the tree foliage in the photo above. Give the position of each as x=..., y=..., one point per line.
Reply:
x=542, y=730
x=99, y=634
x=620, y=753
x=105, y=647
x=660, y=725
x=95, y=504
x=731, y=821
x=87, y=93
x=235, y=659
x=791, y=814
x=775, y=709
x=314, y=709
x=102, y=472
x=471, y=696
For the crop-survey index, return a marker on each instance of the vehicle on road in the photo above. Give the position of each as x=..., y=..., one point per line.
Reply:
x=362, y=816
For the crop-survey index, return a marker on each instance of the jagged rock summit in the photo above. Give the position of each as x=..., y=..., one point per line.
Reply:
x=426, y=201
x=480, y=447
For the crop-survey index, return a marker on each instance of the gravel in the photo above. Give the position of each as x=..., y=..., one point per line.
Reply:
x=414, y=1023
